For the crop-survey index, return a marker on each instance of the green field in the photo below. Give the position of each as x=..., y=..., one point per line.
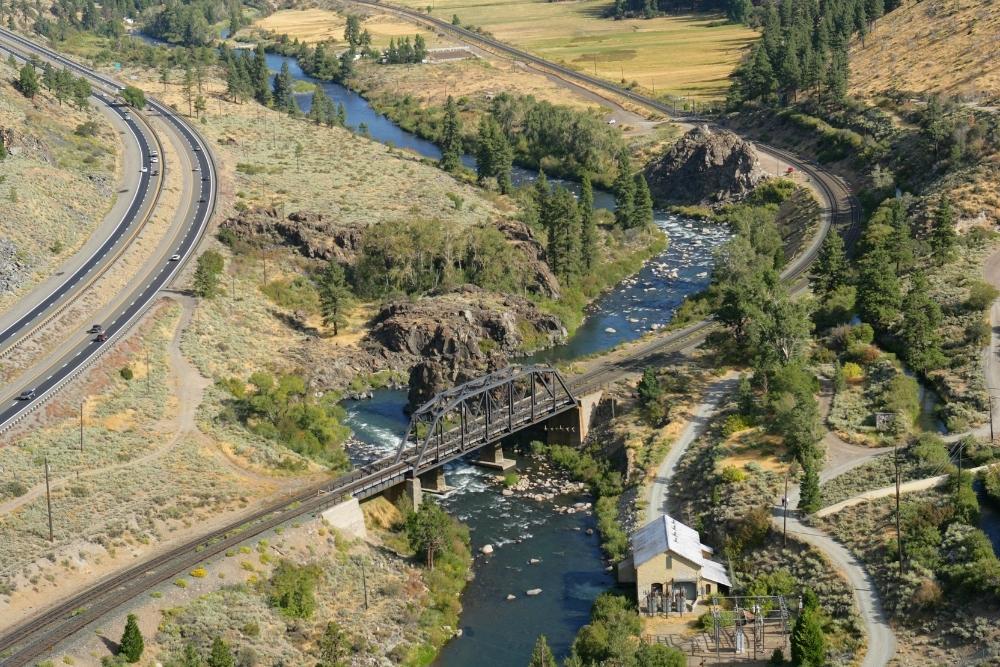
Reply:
x=687, y=55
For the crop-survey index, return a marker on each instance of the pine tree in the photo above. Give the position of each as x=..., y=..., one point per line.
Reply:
x=649, y=388
x=642, y=204
x=624, y=187
x=503, y=158
x=541, y=655
x=335, y=296
x=588, y=225
x=942, y=236
x=27, y=81
x=188, y=86
x=221, y=655
x=282, y=88
x=809, y=494
x=191, y=657
x=830, y=270
x=758, y=76
x=485, y=147
x=260, y=79
x=451, y=137
x=920, y=333
x=808, y=641
x=878, y=297
x=131, y=645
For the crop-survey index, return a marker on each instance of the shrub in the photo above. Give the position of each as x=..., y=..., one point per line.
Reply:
x=510, y=478
x=181, y=583
x=292, y=589
x=853, y=372
x=126, y=373
x=198, y=573
x=15, y=488
x=981, y=295
x=86, y=129
x=735, y=423
x=731, y=474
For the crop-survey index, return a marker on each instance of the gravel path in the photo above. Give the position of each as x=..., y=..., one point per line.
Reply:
x=659, y=490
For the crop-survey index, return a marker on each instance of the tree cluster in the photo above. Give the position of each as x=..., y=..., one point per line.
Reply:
x=494, y=155
x=284, y=409
x=633, y=201
x=404, y=52
x=611, y=638
x=803, y=47
x=323, y=111
x=187, y=23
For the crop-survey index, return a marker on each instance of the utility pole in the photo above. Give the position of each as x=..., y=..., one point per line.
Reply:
x=48, y=499
x=992, y=439
x=899, y=534
x=784, y=520
x=364, y=580
x=81, y=424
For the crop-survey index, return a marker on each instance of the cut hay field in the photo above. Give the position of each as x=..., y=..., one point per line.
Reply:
x=688, y=55
x=313, y=25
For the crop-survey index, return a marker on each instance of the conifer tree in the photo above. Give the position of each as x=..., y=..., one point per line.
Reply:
x=541, y=655
x=261, y=76
x=808, y=641
x=942, y=237
x=624, y=187
x=588, y=226
x=809, y=494
x=221, y=655
x=131, y=645
x=451, y=137
x=642, y=203
x=920, y=332
x=830, y=270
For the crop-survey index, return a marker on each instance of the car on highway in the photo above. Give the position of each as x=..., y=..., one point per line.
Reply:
x=97, y=328
x=154, y=159
x=175, y=258
x=26, y=395
x=101, y=337
x=144, y=170
x=196, y=168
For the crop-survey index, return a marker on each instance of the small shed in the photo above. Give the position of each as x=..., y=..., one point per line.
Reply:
x=671, y=568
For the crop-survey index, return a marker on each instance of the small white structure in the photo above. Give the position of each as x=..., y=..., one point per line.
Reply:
x=670, y=567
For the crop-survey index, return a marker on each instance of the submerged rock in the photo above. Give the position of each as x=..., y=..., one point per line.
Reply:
x=533, y=591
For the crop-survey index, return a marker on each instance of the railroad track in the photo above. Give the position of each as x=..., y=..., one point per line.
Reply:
x=37, y=635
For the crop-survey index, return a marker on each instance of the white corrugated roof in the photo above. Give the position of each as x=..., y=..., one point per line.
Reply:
x=668, y=534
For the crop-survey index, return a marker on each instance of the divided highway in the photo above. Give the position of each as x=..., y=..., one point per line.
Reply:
x=147, y=185
x=140, y=299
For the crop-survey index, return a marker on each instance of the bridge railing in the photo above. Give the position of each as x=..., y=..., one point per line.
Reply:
x=481, y=411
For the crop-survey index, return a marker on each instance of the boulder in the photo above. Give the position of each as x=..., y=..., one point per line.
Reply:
x=533, y=592
x=705, y=167
x=315, y=236
x=487, y=549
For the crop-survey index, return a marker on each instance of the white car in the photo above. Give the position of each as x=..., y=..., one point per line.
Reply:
x=144, y=170
x=154, y=159
x=175, y=258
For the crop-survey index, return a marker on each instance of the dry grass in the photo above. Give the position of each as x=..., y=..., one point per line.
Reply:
x=313, y=25
x=689, y=55
x=942, y=46
x=56, y=186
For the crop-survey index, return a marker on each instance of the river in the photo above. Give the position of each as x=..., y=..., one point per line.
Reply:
x=570, y=570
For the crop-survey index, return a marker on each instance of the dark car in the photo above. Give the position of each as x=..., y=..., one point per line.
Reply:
x=97, y=328
x=26, y=395
x=101, y=337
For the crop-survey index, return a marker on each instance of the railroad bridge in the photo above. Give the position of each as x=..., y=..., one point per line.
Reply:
x=475, y=417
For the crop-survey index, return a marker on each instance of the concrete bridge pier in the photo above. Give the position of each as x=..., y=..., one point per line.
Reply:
x=410, y=488
x=491, y=456
x=571, y=427
x=434, y=482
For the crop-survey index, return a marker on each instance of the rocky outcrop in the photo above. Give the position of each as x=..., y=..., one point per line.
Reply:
x=314, y=235
x=13, y=269
x=705, y=167
x=449, y=338
x=520, y=236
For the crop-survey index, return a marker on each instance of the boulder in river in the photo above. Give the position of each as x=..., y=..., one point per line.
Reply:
x=533, y=592
x=705, y=167
x=487, y=549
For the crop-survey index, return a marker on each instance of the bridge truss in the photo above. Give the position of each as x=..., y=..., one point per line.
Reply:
x=482, y=411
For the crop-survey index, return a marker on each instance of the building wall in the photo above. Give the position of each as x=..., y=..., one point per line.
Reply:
x=663, y=570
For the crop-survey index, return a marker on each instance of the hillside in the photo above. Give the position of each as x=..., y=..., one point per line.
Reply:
x=58, y=172
x=940, y=46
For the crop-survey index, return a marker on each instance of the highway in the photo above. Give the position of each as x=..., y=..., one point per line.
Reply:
x=138, y=301
x=42, y=302
x=36, y=635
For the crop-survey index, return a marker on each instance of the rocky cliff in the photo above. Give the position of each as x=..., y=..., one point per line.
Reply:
x=705, y=167
x=448, y=338
x=314, y=235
